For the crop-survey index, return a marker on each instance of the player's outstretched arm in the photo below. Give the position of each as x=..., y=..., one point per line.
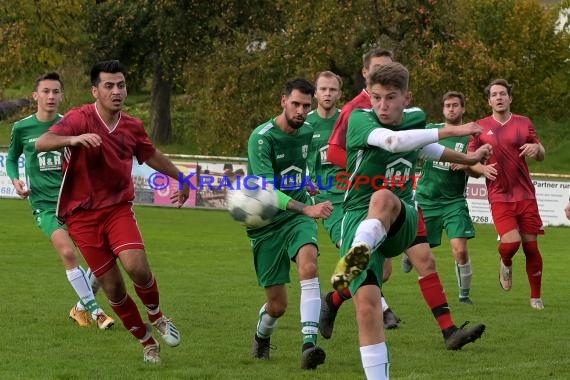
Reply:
x=50, y=141
x=449, y=155
x=320, y=210
x=159, y=162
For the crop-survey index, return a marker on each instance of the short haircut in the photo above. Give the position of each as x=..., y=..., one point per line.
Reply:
x=329, y=74
x=300, y=84
x=499, y=82
x=454, y=94
x=393, y=74
x=113, y=66
x=48, y=76
x=376, y=52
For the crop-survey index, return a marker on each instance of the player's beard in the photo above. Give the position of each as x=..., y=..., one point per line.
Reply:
x=456, y=121
x=293, y=123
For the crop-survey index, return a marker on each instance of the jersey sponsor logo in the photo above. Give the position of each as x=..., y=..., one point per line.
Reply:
x=316, y=135
x=49, y=161
x=400, y=168
x=305, y=151
x=280, y=156
x=291, y=177
x=33, y=139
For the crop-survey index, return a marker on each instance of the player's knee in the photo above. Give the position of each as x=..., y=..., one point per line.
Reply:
x=69, y=256
x=384, y=200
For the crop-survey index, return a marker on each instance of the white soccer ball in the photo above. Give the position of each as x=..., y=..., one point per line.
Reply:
x=253, y=204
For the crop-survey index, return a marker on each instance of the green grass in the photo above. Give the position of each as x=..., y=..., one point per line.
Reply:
x=204, y=267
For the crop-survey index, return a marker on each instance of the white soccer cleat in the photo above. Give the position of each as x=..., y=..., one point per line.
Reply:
x=536, y=303
x=168, y=331
x=151, y=353
x=505, y=276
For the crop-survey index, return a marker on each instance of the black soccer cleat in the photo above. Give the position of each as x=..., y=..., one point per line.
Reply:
x=261, y=347
x=461, y=336
x=312, y=357
x=328, y=316
x=391, y=320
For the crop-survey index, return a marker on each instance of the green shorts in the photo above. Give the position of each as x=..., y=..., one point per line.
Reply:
x=334, y=222
x=390, y=247
x=48, y=222
x=273, y=252
x=454, y=218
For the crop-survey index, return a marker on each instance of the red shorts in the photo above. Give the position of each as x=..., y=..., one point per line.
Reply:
x=102, y=234
x=522, y=216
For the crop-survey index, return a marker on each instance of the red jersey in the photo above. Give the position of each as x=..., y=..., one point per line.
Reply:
x=337, y=142
x=513, y=182
x=94, y=178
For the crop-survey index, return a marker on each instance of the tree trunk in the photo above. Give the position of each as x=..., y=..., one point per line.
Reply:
x=160, y=120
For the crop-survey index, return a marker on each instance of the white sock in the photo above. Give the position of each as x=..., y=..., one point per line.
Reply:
x=376, y=361
x=310, y=306
x=464, y=275
x=92, y=281
x=384, y=304
x=80, y=284
x=371, y=232
x=266, y=323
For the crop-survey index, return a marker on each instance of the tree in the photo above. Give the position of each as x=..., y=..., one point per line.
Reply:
x=153, y=38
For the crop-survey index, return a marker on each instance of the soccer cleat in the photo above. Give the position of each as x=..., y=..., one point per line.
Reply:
x=81, y=317
x=261, y=347
x=312, y=357
x=462, y=336
x=351, y=265
x=465, y=300
x=505, y=276
x=104, y=322
x=327, y=318
x=151, y=353
x=406, y=264
x=391, y=320
x=536, y=303
x=168, y=331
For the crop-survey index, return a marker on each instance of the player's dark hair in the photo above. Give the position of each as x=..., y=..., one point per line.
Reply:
x=329, y=74
x=376, y=52
x=48, y=76
x=299, y=84
x=454, y=94
x=112, y=67
x=392, y=74
x=499, y=82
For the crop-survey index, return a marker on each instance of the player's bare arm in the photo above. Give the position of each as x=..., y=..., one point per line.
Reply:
x=51, y=141
x=468, y=129
x=480, y=155
x=320, y=210
x=535, y=151
x=159, y=162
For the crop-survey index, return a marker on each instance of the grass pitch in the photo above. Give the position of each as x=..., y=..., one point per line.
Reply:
x=204, y=269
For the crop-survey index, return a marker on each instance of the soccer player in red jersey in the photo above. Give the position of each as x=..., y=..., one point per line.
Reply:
x=96, y=198
x=510, y=189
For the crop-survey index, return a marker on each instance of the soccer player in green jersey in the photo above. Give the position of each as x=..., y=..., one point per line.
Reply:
x=380, y=216
x=277, y=152
x=328, y=90
x=441, y=196
x=44, y=176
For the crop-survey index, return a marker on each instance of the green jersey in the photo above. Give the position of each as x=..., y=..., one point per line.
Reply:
x=323, y=173
x=438, y=183
x=281, y=159
x=373, y=168
x=43, y=169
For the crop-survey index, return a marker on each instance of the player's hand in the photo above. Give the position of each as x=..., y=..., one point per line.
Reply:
x=21, y=189
x=529, y=150
x=481, y=155
x=468, y=129
x=490, y=172
x=567, y=211
x=179, y=197
x=320, y=210
x=88, y=140
x=454, y=166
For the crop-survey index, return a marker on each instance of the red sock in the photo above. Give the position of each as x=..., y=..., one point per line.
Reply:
x=337, y=298
x=150, y=298
x=533, y=267
x=507, y=251
x=434, y=295
x=127, y=310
